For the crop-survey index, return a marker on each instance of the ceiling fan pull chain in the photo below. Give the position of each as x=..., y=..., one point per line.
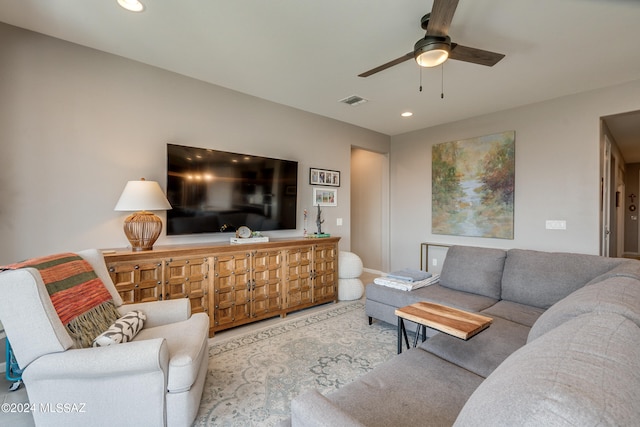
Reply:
x=420, y=79
x=442, y=82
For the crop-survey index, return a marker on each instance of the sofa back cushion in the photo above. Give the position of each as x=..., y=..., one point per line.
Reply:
x=619, y=295
x=626, y=268
x=475, y=270
x=541, y=279
x=586, y=372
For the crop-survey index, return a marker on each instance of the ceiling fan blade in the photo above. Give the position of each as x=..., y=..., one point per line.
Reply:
x=473, y=55
x=441, y=17
x=387, y=65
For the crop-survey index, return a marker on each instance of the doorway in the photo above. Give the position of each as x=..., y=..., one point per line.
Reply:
x=620, y=184
x=370, y=208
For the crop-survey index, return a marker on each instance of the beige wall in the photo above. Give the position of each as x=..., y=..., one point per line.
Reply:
x=76, y=124
x=557, y=174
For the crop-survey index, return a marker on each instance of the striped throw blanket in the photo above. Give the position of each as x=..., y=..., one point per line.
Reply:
x=82, y=302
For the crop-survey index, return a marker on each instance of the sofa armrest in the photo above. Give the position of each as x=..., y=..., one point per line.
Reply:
x=160, y=312
x=312, y=409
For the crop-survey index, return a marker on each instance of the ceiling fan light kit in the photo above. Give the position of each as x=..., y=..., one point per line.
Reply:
x=131, y=5
x=436, y=46
x=432, y=51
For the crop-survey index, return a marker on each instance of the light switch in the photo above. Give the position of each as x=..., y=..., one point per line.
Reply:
x=339, y=221
x=556, y=224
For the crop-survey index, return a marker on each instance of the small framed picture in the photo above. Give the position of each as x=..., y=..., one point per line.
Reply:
x=325, y=196
x=324, y=177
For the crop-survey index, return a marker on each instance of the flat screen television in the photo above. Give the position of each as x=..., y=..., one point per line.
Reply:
x=214, y=191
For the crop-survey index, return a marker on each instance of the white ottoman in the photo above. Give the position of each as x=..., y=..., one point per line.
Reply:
x=349, y=265
x=350, y=289
x=349, y=269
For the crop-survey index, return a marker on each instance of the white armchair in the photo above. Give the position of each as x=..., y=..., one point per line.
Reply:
x=154, y=380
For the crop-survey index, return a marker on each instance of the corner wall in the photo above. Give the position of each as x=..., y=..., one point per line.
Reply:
x=557, y=174
x=76, y=124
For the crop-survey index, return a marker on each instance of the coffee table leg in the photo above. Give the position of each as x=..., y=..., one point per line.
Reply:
x=424, y=333
x=415, y=339
x=402, y=332
x=400, y=328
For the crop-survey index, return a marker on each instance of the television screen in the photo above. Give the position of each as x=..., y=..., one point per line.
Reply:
x=216, y=191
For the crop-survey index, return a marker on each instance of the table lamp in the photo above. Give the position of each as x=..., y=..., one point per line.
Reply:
x=142, y=228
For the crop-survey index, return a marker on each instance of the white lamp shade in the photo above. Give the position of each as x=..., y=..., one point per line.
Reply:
x=142, y=196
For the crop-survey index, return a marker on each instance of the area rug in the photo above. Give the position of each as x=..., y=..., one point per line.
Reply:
x=253, y=377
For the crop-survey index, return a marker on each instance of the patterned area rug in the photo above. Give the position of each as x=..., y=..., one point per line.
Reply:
x=252, y=378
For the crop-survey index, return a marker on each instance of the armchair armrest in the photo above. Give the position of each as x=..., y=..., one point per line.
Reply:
x=160, y=312
x=130, y=358
x=123, y=384
x=312, y=409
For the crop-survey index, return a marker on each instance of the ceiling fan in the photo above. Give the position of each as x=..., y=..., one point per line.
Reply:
x=436, y=46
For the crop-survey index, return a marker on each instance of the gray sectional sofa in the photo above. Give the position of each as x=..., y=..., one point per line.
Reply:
x=563, y=349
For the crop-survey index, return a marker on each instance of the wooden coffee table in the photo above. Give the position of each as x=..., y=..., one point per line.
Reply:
x=459, y=323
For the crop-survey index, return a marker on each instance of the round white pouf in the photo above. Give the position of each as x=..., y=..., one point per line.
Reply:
x=349, y=265
x=349, y=269
x=350, y=289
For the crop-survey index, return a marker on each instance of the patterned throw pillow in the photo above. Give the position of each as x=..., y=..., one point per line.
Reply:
x=123, y=330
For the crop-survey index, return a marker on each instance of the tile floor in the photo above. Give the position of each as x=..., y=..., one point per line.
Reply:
x=20, y=396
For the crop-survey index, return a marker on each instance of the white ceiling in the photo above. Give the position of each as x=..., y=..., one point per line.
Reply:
x=307, y=53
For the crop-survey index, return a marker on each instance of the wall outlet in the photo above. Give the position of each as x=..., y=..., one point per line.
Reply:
x=434, y=262
x=339, y=221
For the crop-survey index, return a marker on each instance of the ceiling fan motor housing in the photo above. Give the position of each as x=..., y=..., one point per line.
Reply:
x=431, y=51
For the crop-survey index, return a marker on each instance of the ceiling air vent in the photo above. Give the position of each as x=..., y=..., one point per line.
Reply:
x=353, y=100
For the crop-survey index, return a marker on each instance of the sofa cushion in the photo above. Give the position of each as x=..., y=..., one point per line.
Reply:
x=433, y=293
x=520, y=313
x=619, y=295
x=312, y=409
x=411, y=389
x=482, y=353
x=585, y=372
x=541, y=279
x=474, y=270
x=626, y=268
x=187, y=342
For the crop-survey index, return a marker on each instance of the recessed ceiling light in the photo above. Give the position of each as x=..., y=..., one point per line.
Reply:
x=407, y=114
x=131, y=5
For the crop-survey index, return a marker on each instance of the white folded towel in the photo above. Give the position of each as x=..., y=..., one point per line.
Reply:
x=404, y=285
x=409, y=275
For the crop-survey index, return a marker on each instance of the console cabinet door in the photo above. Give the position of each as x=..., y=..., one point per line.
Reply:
x=324, y=272
x=231, y=284
x=298, y=276
x=137, y=282
x=266, y=290
x=188, y=278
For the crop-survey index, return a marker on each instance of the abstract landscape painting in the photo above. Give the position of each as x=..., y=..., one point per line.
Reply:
x=473, y=183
